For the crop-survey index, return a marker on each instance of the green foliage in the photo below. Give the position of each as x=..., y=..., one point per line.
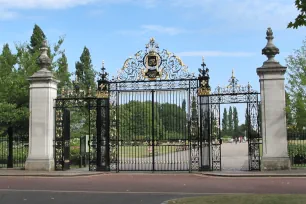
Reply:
x=15, y=69
x=300, y=20
x=296, y=98
x=184, y=104
x=235, y=123
x=296, y=150
x=230, y=121
x=224, y=122
x=289, y=111
x=38, y=36
x=84, y=71
x=62, y=73
x=136, y=121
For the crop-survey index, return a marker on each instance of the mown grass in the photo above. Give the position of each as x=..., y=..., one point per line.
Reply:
x=243, y=199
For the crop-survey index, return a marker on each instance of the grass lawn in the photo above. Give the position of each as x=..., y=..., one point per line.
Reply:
x=142, y=151
x=242, y=199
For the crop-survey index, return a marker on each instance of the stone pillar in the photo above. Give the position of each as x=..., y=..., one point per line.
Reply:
x=43, y=91
x=273, y=115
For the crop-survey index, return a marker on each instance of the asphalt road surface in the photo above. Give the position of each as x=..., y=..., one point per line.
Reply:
x=135, y=188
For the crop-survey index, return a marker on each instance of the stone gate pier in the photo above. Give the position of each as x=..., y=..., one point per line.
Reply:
x=273, y=115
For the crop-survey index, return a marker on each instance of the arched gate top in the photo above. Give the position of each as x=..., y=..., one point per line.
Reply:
x=153, y=64
x=234, y=88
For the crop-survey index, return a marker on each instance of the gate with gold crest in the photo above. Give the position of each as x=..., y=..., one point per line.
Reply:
x=153, y=116
x=153, y=113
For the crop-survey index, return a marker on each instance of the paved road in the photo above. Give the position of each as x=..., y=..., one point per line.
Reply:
x=135, y=188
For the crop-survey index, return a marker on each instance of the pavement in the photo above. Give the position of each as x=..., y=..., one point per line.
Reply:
x=136, y=188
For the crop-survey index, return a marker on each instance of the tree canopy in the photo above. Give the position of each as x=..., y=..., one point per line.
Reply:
x=296, y=92
x=300, y=20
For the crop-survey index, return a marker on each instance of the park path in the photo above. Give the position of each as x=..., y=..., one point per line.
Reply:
x=234, y=157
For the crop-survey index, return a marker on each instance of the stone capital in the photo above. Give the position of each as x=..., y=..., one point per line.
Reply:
x=43, y=75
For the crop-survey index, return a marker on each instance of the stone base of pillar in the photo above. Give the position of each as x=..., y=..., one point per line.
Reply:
x=39, y=165
x=275, y=163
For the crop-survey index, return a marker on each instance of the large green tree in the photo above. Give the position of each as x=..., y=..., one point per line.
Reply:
x=84, y=71
x=300, y=20
x=37, y=37
x=296, y=64
x=289, y=111
x=62, y=73
x=230, y=121
x=15, y=69
x=224, y=123
x=11, y=111
x=235, y=123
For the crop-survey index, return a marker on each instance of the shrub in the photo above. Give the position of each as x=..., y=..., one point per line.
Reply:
x=297, y=150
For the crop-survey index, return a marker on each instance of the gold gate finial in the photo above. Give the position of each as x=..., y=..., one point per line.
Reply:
x=233, y=75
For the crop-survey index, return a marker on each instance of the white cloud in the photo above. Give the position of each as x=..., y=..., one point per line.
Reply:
x=231, y=14
x=244, y=14
x=153, y=29
x=162, y=29
x=215, y=54
x=8, y=15
x=45, y=4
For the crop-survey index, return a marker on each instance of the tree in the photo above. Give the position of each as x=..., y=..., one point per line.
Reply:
x=235, y=123
x=38, y=36
x=184, y=105
x=7, y=61
x=84, y=71
x=14, y=72
x=300, y=20
x=230, y=122
x=12, y=113
x=62, y=73
x=296, y=64
x=224, y=123
x=289, y=111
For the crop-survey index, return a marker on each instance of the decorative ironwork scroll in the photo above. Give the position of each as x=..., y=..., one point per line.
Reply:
x=103, y=85
x=153, y=64
x=233, y=88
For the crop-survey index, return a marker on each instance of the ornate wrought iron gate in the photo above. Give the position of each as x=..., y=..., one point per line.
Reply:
x=154, y=126
x=154, y=116
x=211, y=141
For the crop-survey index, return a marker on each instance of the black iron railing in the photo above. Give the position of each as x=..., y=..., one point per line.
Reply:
x=297, y=148
x=13, y=149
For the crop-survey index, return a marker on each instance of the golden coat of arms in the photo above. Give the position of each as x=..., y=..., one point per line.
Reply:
x=152, y=62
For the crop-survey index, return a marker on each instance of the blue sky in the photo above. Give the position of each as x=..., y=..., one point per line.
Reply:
x=228, y=33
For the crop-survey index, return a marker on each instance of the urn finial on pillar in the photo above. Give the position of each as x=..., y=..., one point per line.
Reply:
x=270, y=50
x=44, y=60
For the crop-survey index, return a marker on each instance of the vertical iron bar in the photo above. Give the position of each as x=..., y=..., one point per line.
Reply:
x=117, y=129
x=189, y=127
x=10, y=148
x=153, y=142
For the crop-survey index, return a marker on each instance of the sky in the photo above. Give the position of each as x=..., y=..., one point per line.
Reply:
x=230, y=34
